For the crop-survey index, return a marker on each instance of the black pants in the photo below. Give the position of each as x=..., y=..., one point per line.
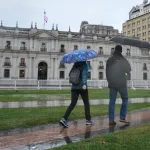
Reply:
x=74, y=98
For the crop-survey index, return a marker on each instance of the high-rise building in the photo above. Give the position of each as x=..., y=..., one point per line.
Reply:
x=138, y=24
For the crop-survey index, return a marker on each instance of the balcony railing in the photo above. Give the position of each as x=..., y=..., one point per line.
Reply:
x=7, y=64
x=8, y=47
x=43, y=49
x=61, y=66
x=100, y=52
x=23, y=48
x=144, y=68
x=101, y=67
x=62, y=50
x=22, y=64
x=128, y=54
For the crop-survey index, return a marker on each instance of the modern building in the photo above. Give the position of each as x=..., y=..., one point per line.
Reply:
x=138, y=25
x=32, y=53
x=139, y=10
x=102, y=30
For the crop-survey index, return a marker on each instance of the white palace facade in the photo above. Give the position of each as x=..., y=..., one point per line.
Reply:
x=32, y=53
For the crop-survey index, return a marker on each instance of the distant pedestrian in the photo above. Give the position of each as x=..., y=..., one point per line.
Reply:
x=117, y=69
x=76, y=89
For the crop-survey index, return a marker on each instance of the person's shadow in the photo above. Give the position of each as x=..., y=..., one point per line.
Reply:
x=66, y=137
x=112, y=128
x=88, y=132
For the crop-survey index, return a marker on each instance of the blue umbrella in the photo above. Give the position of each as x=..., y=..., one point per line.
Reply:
x=79, y=55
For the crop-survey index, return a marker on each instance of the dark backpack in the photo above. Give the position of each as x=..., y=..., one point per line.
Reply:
x=75, y=75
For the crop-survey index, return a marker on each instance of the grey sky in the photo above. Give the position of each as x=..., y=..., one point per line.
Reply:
x=66, y=13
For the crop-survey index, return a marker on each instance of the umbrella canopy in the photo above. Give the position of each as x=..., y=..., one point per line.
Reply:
x=79, y=55
x=130, y=41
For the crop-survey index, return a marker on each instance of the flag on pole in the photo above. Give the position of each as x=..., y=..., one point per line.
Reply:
x=45, y=17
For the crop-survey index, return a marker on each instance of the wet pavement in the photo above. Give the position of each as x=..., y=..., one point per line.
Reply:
x=51, y=103
x=47, y=137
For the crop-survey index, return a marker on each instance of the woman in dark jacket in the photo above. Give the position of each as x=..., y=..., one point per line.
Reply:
x=81, y=89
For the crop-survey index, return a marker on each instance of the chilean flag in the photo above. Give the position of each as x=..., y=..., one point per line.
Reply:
x=45, y=17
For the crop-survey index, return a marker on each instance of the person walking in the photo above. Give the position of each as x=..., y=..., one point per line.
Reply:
x=117, y=69
x=77, y=89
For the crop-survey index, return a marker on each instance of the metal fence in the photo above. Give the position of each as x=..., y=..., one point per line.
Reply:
x=60, y=84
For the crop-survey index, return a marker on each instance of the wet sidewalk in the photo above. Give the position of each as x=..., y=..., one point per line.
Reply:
x=52, y=103
x=46, y=137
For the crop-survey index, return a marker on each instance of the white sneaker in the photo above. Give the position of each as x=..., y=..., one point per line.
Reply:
x=63, y=122
x=90, y=122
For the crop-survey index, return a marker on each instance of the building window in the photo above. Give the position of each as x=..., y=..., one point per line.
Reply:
x=43, y=47
x=23, y=46
x=6, y=73
x=88, y=47
x=22, y=74
x=22, y=62
x=100, y=50
x=101, y=66
x=75, y=47
x=112, y=50
x=89, y=76
x=61, y=74
x=144, y=66
x=145, y=52
x=144, y=76
x=7, y=61
x=128, y=52
x=8, y=43
x=62, y=48
x=100, y=75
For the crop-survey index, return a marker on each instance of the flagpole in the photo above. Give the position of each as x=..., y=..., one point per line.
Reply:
x=44, y=20
x=44, y=25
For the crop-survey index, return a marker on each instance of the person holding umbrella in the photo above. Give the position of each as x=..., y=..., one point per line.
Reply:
x=117, y=68
x=79, y=58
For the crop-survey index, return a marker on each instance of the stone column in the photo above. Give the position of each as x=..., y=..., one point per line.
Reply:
x=32, y=67
x=29, y=67
x=51, y=68
x=1, y=64
x=16, y=45
x=15, y=70
x=1, y=43
x=56, y=68
x=31, y=44
x=52, y=45
x=94, y=70
x=56, y=46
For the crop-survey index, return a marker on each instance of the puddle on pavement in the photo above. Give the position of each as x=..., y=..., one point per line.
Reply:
x=55, y=136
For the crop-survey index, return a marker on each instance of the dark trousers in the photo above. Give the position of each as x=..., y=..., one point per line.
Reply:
x=112, y=100
x=74, y=98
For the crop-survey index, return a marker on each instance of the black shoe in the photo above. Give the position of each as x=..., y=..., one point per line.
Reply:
x=63, y=122
x=113, y=123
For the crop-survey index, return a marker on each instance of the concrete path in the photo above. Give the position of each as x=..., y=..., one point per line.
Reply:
x=46, y=137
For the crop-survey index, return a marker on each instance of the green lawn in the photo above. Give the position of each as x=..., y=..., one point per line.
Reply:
x=8, y=95
x=130, y=139
x=27, y=117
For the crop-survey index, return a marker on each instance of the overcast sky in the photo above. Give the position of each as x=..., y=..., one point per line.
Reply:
x=66, y=13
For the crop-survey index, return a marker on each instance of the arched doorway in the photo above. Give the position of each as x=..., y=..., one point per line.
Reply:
x=42, y=71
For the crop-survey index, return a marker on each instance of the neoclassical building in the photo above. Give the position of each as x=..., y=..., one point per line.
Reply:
x=32, y=53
